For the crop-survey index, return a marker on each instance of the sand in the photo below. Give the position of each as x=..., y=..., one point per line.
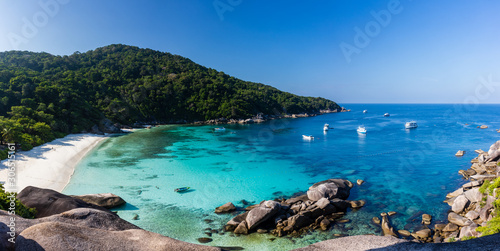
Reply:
x=50, y=165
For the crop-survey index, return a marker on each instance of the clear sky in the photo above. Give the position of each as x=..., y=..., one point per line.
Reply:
x=355, y=51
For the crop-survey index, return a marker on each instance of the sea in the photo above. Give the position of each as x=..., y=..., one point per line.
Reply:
x=406, y=171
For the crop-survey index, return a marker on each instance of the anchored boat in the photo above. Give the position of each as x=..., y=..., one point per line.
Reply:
x=411, y=124
x=361, y=130
x=181, y=189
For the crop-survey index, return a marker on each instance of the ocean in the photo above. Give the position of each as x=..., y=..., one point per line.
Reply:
x=406, y=171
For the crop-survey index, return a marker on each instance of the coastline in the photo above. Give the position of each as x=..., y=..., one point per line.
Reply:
x=52, y=164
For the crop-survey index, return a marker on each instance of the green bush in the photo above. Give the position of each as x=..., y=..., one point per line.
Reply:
x=20, y=209
x=468, y=238
x=485, y=186
x=492, y=227
x=4, y=154
x=495, y=184
x=26, y=147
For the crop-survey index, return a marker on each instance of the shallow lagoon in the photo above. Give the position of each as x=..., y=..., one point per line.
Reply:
x=406, y=171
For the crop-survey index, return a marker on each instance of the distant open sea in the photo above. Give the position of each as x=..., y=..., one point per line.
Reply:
x=406, y=171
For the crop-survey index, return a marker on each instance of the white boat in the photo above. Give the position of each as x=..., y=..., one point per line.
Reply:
x=411, y=124
x=326, y=127
x=387, y=115
x=365, y=111
x=361, y=129
x=219, y=129
x=308, y=137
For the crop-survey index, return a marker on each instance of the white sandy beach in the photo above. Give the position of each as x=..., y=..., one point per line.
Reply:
x=50, y=165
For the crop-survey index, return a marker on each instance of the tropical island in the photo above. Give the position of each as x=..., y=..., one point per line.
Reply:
x=43, y=97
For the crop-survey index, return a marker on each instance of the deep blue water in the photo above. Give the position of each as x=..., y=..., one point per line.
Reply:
x=407, y=171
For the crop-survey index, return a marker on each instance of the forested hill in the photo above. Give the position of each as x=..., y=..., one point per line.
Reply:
x=127, y=84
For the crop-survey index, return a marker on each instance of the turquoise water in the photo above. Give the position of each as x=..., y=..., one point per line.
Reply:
x=407, y=171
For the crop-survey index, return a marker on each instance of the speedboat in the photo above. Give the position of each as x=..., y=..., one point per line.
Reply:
x=411, y=124
x=181, y=189
x=326, y=127
x=308, y=137
x=387, y=115
x=361, y=129
x=219, y=129
x=365, y=111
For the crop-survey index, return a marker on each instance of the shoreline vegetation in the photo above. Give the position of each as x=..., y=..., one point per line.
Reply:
x=44, y=97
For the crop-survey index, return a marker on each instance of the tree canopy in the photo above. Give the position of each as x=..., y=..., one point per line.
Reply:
x=43, y=96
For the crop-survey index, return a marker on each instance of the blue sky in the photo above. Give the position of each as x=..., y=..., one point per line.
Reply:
x=355, y=51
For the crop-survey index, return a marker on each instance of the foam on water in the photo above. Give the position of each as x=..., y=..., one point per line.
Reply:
x=407, y=171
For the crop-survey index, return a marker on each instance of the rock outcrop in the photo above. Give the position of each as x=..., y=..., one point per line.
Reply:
x=330, y=189
x=63, y=236
x=471, y=207
x=295, y=215
x=49, y=202
x=84, y=227
x=226, y=208
x=264, y=211
x=106, y=200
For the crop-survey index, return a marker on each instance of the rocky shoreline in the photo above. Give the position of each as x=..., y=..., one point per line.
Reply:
x=323, y=204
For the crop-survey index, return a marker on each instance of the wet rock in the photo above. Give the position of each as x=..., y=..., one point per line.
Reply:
x=440, y=227
x=235, y=221
x=376, y=220
x=404, y=233
x=135, y=217
x=324, y=224
x=226, y=208
x=357, y=203
x=241, y=228
x=204, y=240
x=343, y=221
x=387, y=229
x=426, y=219
x=296, y=199
x=424, y=233
x=322, y=203
x=297, y=221
x=450, y=227
x=383, y=214
x=360, y=182
x=330, y=189
x=264, y=211
x=251, y=207
x=106, y=200
x=391, y=213
x=340, y=205
x=460, y=153
x=261, y=231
